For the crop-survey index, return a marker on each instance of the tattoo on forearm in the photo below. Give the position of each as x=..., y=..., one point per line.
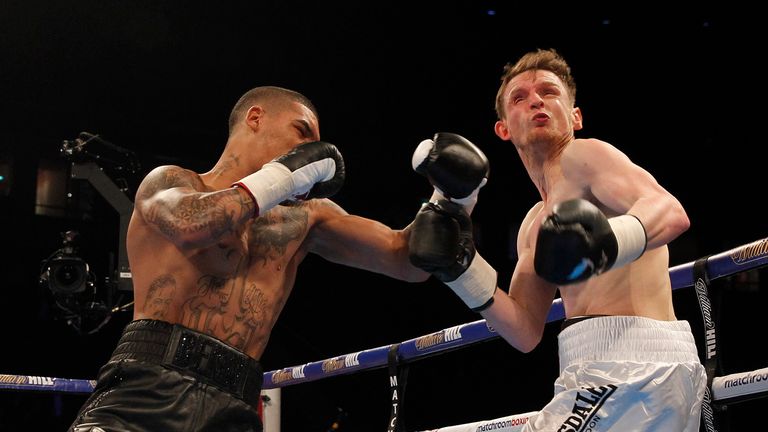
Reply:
x=204, y=214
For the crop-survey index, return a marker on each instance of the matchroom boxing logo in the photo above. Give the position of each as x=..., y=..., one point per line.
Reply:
x=585, y=408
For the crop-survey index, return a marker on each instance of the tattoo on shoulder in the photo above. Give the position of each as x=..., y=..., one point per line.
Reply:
x=168, y=177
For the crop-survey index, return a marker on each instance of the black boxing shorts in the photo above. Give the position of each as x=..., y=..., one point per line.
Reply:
x=166, y=377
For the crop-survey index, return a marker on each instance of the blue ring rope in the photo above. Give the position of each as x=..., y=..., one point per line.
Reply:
x=746, y=257
x=736, y=260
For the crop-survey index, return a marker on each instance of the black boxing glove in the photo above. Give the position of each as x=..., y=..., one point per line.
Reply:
x=441, y=243
x=311, y=170
x=454, y=166
x=577, y=242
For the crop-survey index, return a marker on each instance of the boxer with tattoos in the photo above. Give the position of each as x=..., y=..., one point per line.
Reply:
x=214, y=257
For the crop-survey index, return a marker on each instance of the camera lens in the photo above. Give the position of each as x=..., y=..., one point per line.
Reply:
x=67, y=275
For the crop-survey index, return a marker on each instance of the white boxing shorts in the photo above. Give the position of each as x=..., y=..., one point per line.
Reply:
x=625, y=373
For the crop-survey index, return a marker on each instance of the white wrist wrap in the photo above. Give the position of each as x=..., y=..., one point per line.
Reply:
x=269, y=186
x=467, y=202
x=630, y=237
x=477, y=284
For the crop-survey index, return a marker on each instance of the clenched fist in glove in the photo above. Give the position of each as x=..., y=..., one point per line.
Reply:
x=454, y=166
x=311, y=170
x=577, y=242
x=441, y=243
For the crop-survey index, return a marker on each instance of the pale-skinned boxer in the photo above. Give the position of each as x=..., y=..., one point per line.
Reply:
x=599, y=235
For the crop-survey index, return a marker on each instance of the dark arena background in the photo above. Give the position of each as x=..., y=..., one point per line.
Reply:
x=680, y=92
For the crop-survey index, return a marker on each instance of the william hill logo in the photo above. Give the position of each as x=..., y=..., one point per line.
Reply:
x=14, y=379
x=443, y=336
x=288, y=374
x=342, y=362
x=26, y=380
x=750, y=252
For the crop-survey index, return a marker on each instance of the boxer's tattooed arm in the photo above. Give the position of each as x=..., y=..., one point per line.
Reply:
x=177, y=203
x=166, y=178
x=207, y=214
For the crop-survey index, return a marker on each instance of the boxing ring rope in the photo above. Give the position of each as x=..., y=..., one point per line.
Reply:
x=725, y=389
